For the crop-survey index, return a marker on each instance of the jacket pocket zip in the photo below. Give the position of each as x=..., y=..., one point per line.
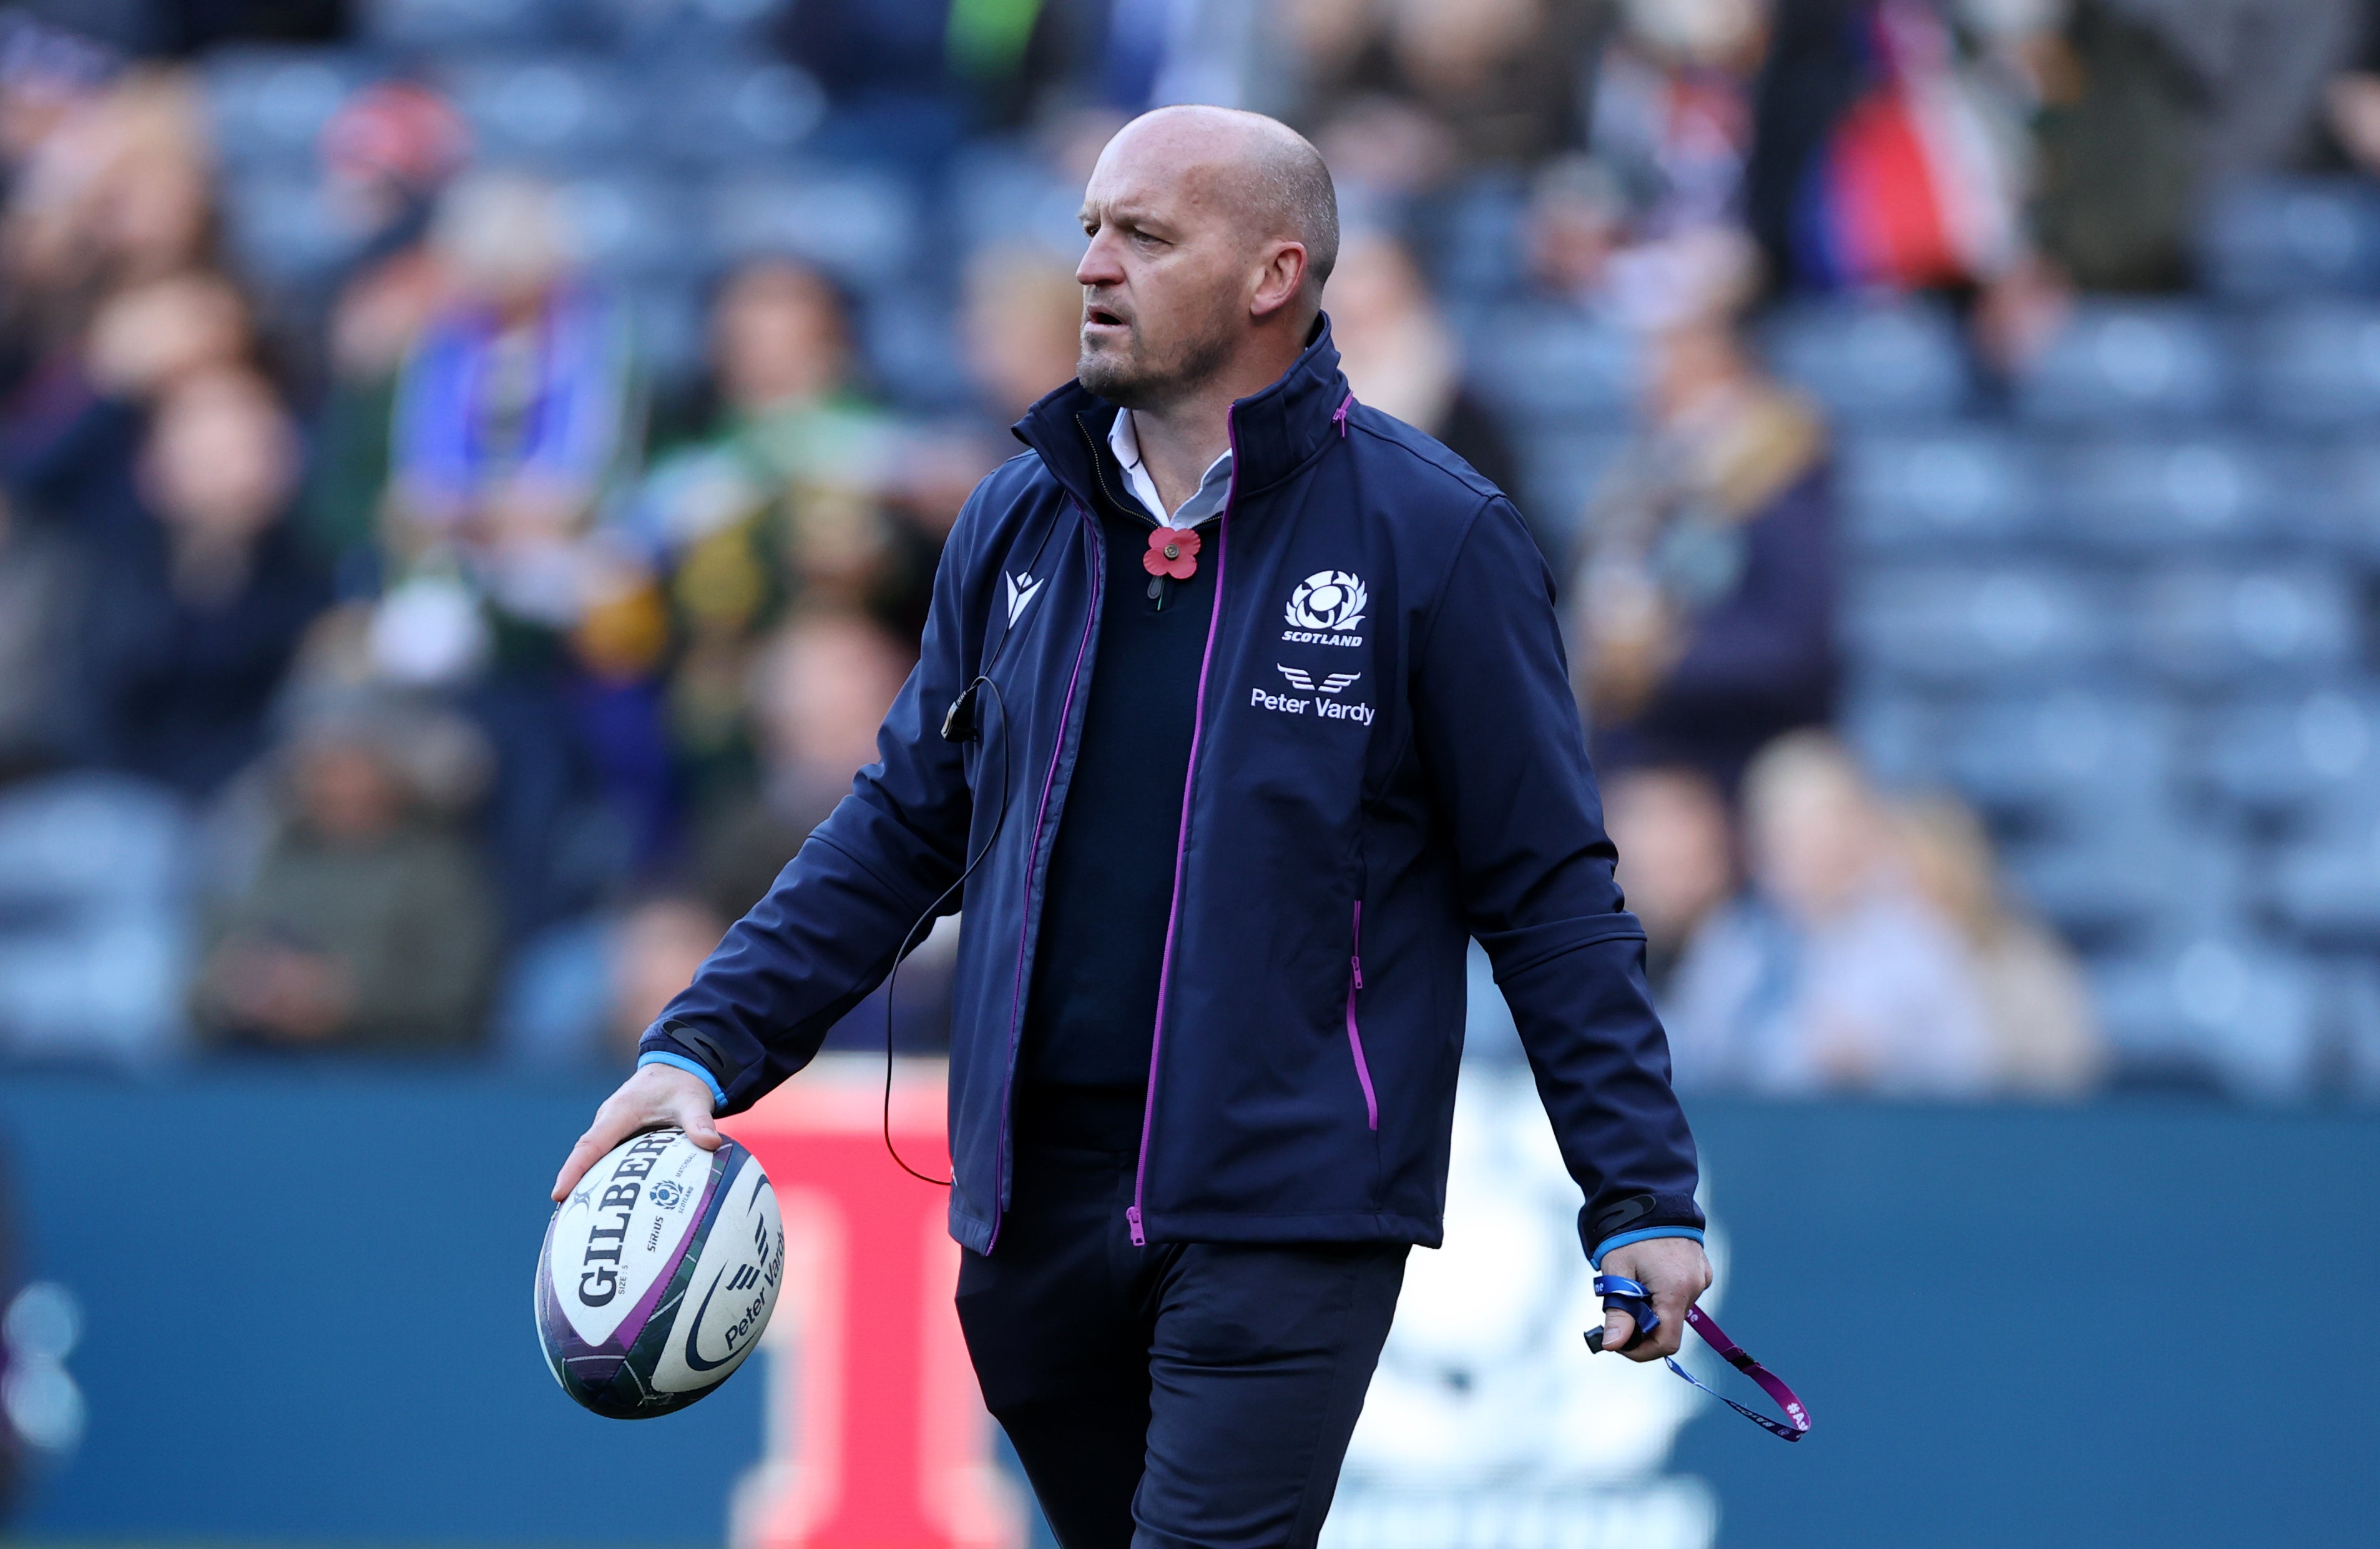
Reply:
x=1355, y=1034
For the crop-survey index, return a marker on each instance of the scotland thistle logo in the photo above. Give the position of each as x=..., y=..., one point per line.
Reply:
x=1327, y=600
x=669, y=1193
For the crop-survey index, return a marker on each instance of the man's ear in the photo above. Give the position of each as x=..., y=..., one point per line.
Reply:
x=1281, y=280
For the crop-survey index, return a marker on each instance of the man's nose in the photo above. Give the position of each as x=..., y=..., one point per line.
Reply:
x=1101, y=264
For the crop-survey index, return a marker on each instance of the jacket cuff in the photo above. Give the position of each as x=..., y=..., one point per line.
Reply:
x=1633, y=1217
x=692, y=1068
x=1643, y=1235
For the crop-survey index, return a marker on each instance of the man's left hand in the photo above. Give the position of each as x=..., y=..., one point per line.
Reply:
x=1673, y=1270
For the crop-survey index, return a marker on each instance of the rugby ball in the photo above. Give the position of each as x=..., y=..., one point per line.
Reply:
x=659, y=1274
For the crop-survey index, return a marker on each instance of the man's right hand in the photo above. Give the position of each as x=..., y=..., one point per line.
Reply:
x=655, y=1096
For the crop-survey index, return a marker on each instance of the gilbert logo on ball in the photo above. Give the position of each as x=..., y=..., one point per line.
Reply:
x=659, y=1274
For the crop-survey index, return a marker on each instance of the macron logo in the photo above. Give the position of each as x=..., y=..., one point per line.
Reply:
x=1021, y=589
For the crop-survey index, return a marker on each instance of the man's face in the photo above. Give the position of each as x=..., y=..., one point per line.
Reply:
x=1166, y=279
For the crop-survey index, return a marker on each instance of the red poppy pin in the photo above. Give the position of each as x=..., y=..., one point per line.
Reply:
x=1171, y=551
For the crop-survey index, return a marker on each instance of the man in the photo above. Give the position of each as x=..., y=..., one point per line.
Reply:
x=1279, y=684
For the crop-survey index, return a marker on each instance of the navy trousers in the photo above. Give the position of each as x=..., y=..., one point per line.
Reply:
x=1185, y=1396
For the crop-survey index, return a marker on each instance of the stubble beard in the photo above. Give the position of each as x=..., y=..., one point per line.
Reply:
x=1132, y=380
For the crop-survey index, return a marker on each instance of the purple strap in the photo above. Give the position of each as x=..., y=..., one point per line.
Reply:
x=1796, y=1423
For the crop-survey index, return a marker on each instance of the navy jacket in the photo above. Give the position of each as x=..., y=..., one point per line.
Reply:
x=1386, y=761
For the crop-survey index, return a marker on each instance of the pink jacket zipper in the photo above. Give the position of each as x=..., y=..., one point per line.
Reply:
x=1131, y=1215
x=1354, y=1037
x=1017, y=1006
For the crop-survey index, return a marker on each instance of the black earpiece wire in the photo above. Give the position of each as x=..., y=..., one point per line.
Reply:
x=958, y=725
x=910, y=941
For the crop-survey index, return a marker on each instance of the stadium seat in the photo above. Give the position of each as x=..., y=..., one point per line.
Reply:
x=1006, y=196
x=1975, y=626
x=285, y=231
x=859, y=226
x=642, y=24
x=2245, y=1005
x=1560, y=471
x=2335, y=503
x=2316, y=365
x=2072, y=752
x=672, y=331
x=457, y=25
x=631, y=227
x=1475, y=246
x=2268, y=239
x=1548, y=367
x=1897, y=736
x=95, y=873
x=710, y=110
x=2273, y=756
x=268, y=106
x=2155, y=494
x=2128, y=871
x=2207, y=627
x=1872, y=362
x=909, y=349
x=1921, y=493
x=2325, y=887
x=2129, y=362
x=2353, y=1005
x=555, y=112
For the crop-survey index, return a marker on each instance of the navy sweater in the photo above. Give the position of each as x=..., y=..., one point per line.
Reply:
x=1093, y=1010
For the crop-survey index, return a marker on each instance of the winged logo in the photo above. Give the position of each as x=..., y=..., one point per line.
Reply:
x=1333, y=682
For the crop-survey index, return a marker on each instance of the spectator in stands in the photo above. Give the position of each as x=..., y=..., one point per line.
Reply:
x=1024, y=328
x=385, y=157
x=1677, y=857
x=1704, y=602
x=2119, y=132
x=43, y=581
x=820, y=686
x=1673, y=108
x=1579, y=219
x=115, y=195
x=518, y=410
x=2044, y=1035
x=1404, y=97
x=785, y=502
x=1401, y=357
x=118, y=190
x=654, y=949
x=204, y=602
x=71, y=440
x=1879, y=160
x=1834, y=972
x=367, y=924
x=520, y=401
x=819, y=690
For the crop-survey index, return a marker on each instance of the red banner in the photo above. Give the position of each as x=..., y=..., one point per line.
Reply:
x=877, y=1435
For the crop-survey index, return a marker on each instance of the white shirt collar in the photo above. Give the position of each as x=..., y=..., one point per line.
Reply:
x=1125, y=441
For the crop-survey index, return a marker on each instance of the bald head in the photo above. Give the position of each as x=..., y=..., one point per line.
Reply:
x=1211, y=233
x=1277, y=180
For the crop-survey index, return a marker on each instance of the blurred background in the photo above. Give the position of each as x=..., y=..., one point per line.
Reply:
x=471, y=473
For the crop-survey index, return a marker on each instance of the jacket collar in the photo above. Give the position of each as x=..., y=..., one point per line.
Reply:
x=1274, y=432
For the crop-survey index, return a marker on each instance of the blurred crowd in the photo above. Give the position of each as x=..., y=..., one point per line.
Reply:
x=434, y=644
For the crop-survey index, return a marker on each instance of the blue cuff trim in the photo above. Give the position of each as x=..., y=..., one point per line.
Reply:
x=680, y=1062
x=1642, y=1234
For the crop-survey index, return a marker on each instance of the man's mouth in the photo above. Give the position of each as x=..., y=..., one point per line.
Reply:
x=1097, y=318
